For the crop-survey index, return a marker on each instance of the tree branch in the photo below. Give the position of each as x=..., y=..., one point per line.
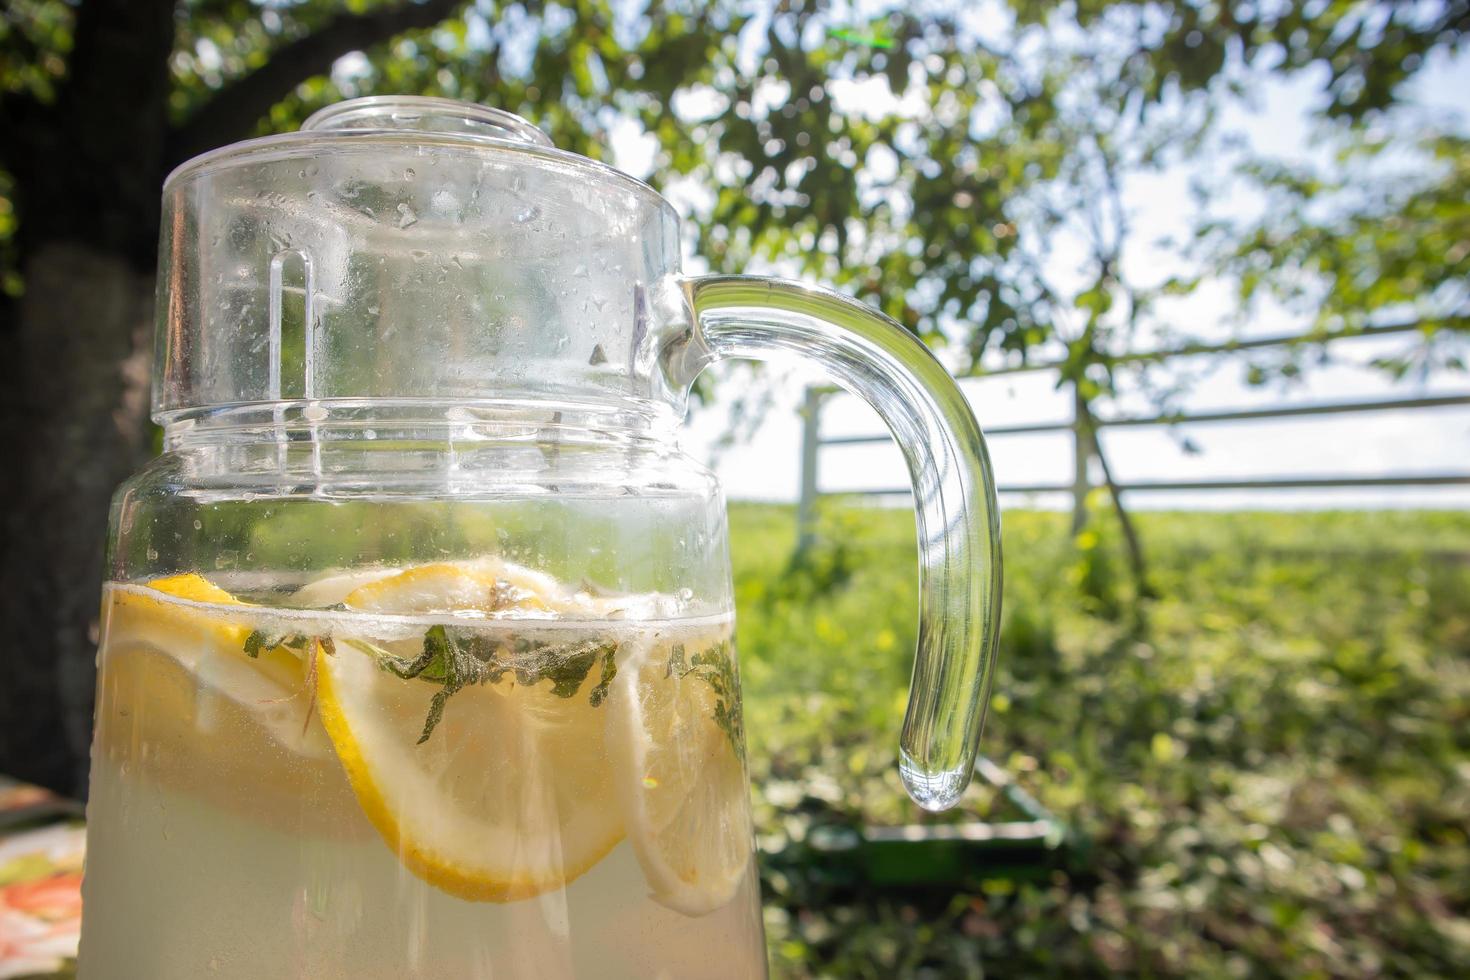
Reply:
x=1136, y=561
x=231, y=114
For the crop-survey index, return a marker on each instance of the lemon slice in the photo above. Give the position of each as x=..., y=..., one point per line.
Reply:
x=481, y=587
x=139, y=611
x=511, y=797
x=207, y=644
x=187, y=636
x=182, y=702
x=333, y=588
x=194, y=586
x=681, y=782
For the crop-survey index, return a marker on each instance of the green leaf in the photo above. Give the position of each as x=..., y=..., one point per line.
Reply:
x=604, y=683
x=255, y=643
x=568, y=673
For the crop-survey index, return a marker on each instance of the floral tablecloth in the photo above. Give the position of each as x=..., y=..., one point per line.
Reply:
x=42, y=841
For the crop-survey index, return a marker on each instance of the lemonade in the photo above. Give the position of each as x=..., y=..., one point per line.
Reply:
x=454, y=770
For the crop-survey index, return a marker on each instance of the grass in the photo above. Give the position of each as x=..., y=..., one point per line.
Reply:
x=1267, y=768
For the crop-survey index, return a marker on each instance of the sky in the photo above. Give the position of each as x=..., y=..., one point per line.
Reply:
x=765, y=464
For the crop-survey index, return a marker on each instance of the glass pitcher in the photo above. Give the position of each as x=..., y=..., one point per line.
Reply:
x=417, y=654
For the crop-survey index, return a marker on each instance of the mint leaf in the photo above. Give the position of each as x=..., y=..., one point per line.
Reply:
x=604, y=683
x=260, y=641
x=568, y=673
x=436, y=646
x=255, y=642
x=455, y=659
x=716, y=666
x=457, y=667
x=436, y=713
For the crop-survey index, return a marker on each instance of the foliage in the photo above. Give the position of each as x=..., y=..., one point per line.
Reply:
x=938, y=193
x=1369, y=49
x=1384, y=230
x=1272, y=772
x=933, y=159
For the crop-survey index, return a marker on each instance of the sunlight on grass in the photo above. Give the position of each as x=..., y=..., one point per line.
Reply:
x=1268, y=764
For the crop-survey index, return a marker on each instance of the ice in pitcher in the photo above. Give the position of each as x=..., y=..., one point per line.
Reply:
x=464, y=770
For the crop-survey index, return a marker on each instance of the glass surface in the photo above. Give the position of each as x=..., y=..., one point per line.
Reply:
x=269, y=800
x=954, y=493
x=417, y=654
x=368, y=257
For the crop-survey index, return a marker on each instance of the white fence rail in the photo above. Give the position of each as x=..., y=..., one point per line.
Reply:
x=813, y=441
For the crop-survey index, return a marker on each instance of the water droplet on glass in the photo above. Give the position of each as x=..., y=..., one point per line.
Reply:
x=314, y=413
x=934, y=791
x=198, y=525
x=408, y=174
x=370, y=433
x=527, y=214
x=406, y=216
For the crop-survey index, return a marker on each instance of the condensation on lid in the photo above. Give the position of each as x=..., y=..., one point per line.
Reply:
x=409, y=248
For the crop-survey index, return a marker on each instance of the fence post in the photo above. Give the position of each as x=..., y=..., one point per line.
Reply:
x=1081, y=456
x=811, y=433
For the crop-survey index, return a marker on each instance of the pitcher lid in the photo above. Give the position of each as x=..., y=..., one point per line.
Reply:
x=404, y=247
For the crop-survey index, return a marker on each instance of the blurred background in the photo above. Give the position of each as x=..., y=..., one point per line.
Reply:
x=1203, y=269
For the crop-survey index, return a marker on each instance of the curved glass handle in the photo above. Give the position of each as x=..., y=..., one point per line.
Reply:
x=958, y=521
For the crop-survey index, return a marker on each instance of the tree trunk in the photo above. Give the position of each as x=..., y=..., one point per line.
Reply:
x=74, y=375
x=74, y=423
